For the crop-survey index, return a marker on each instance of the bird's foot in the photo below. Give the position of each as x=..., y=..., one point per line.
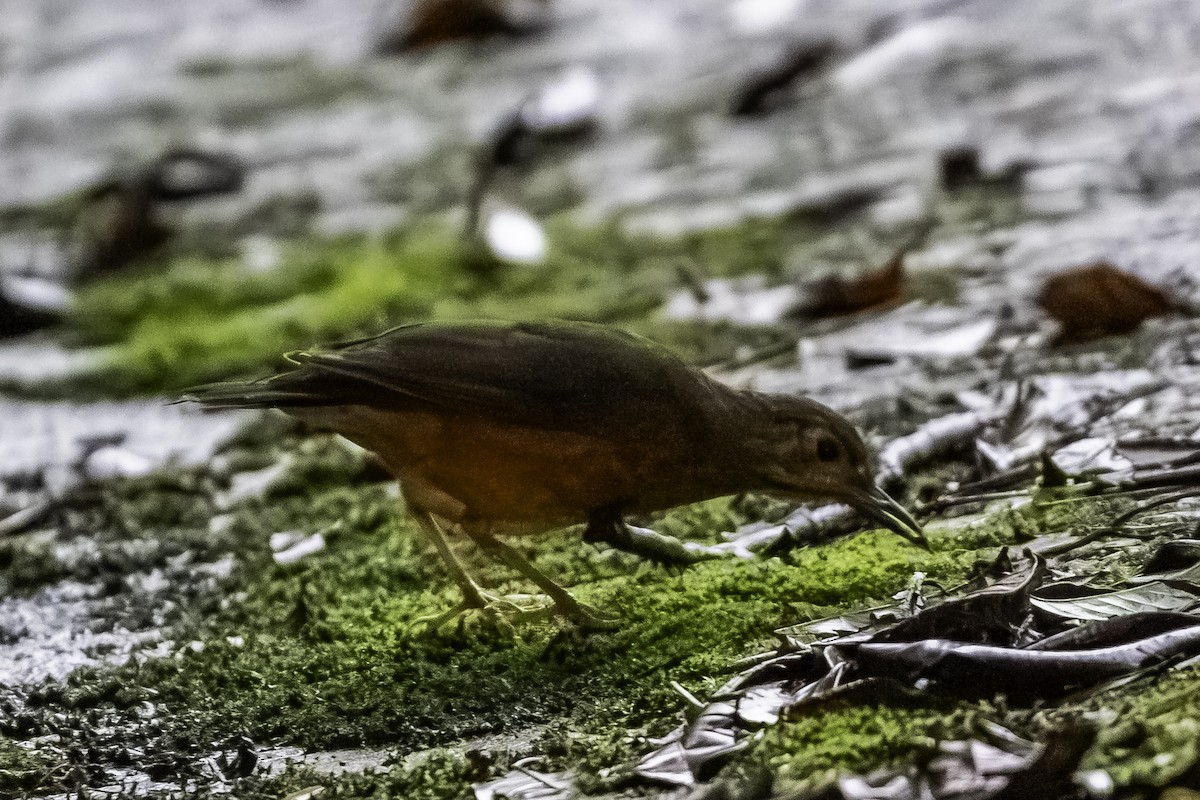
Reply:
x=498, y=611
x=463, y=614
x=585, y=617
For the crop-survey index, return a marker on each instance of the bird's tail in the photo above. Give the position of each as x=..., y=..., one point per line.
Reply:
x=286, y=390
x=310, y=383
x=313, y=380
x=265, y=393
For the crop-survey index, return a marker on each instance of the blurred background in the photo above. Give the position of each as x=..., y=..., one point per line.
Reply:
x=187, y=191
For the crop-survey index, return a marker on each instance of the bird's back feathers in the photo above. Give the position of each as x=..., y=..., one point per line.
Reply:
x=554, y=375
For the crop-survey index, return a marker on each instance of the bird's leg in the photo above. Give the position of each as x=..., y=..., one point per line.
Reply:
x=474, y=599
x=583, y=616
x=608, y=527
x=473, y=596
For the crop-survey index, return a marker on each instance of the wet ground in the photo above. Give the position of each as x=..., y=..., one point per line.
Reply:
x=1084, y=117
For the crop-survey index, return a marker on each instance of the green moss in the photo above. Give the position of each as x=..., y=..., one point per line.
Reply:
x=1157, y=738
x=325, y=653
x=26, y=563
x=24, y=770
x=1047, y=513
x=851, y=737
x=202, y=321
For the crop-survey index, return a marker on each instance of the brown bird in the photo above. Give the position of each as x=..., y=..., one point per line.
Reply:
x=517, y=428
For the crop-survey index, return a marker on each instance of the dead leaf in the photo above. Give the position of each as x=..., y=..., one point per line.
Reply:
x=119, y=223
x=961, y=166
x=989, y=615
x=1157, y=596
x=1115, y=631
x=434, y=22
x=834, y=295
x=1100, y=300
x=1022, y=674
x=18, y=317
x=1177, y=557
x=765, y=88
x=184, y=173
x=526, y=784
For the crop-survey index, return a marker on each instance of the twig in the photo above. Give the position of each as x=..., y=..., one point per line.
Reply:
x=1155, y=503
x=25, y=518
x=1117, y=523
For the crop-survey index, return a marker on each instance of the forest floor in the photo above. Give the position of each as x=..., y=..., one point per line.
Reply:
x=226, y=603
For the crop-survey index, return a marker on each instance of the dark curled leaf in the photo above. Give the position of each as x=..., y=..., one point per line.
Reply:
x=1049, y=775
x=859, y=692
x=983, y=669
x=792, y=666
x=1173, y=556
x=763, y=89
x=1188, y=475
x=434, y=22
x=184, y=173
x=838, y=676
x=1116, y=631
x=1053, y=477
x=989, y=615
x=17, y=318
x=695, y=749
x=1161, y=453
x=997, y=570
x=847, y=627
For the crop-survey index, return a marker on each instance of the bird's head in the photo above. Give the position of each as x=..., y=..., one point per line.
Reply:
x=814, y=453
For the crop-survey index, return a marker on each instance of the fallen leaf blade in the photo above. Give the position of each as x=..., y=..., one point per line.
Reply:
x=1157, y=596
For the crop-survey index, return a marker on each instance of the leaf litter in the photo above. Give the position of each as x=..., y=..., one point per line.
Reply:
x=1033, y=630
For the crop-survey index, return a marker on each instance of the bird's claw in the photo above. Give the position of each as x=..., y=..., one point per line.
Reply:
x=464, y=615
x=587, y=618
x=501, y=611
x=484, y=607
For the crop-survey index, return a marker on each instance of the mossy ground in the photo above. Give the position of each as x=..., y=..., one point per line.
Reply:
x=22, y=769
x=327, y=653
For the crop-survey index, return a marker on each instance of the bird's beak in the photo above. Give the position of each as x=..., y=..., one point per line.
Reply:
x=876, y=504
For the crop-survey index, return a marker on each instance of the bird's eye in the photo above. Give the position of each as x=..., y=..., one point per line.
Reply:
x=828, y=450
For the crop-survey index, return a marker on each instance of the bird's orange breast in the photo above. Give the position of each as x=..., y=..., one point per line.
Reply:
x=519, y=477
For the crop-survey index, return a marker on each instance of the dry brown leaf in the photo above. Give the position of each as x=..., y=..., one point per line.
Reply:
x=1100, y=300
x=834, y=295
x=433, y=22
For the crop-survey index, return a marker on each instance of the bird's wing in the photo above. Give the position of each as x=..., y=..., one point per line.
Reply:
x=552, y=375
